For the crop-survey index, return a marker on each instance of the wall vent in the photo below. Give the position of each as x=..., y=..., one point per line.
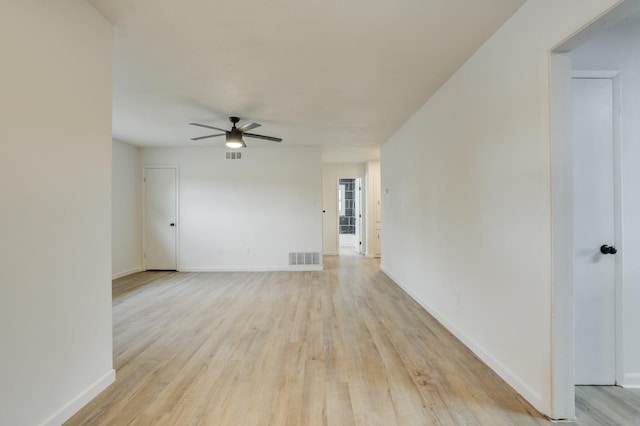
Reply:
x=234, y=155
x=304, y=258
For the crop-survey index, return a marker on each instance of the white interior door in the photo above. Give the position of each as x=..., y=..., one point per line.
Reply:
x=594, y=216
x=160, y=196
x=358, y=206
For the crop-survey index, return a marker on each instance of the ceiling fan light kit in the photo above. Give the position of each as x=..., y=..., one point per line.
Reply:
x=234, y=140
x=234, y=136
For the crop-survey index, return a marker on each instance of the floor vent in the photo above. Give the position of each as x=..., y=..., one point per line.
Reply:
x=234, y=155
x=302, y=258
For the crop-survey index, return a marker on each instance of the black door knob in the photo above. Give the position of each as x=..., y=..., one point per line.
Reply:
x=172, y=224
x=605, y=249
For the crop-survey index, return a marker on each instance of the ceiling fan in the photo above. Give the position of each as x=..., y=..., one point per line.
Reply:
x=234, y=136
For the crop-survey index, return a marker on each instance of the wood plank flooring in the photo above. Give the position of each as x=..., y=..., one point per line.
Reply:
x=607, y=405
x=344, y=346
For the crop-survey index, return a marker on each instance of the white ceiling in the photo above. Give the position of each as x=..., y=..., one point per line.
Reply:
x=334, y=73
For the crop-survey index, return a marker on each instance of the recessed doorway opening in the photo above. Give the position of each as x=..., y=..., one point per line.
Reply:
x=595, y=190
x=350, y=216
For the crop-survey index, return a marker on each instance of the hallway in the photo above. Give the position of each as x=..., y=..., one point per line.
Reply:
x=342, y=346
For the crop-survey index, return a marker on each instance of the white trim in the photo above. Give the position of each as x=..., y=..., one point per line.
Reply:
x=618, y=228
x=295, y=268
x=160, y=166
x=562, y=309
x=631, y=381
x=127, y=272
x=73, y=406
x=516, y=383
x=330, y=253
x=594, y=74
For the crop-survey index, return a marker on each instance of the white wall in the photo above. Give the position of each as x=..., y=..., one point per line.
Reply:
x=617, y=49
x=331, y=172
x=55, y=214
x=126, y=207
x=245, y=214
x=349, y=154
x=467, y=228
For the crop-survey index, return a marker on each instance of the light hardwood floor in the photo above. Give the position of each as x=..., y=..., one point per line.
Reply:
x=344, y=346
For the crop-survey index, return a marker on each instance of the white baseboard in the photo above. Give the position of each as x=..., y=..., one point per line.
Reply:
x=73, y=406
x=518, y=385
x=300, y=268
x=631, y=381
x=330, y=253
x=295, y=268
x=127, y=272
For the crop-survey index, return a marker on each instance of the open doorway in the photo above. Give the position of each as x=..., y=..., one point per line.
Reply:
x=595, y=77
x=350, y=216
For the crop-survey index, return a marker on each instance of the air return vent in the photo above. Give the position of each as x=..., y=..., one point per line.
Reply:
x=304, y=258
x=234, y=155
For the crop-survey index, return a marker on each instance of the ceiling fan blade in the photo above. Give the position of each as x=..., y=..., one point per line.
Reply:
x=205, y=137
x=269, y=138
x=207, y=127
x=248, y=126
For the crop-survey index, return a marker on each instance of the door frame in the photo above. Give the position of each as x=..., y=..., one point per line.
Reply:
x=562, y=289
x=360, y=216
x=176, y=169
x=614, y=76
x=359, y=220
